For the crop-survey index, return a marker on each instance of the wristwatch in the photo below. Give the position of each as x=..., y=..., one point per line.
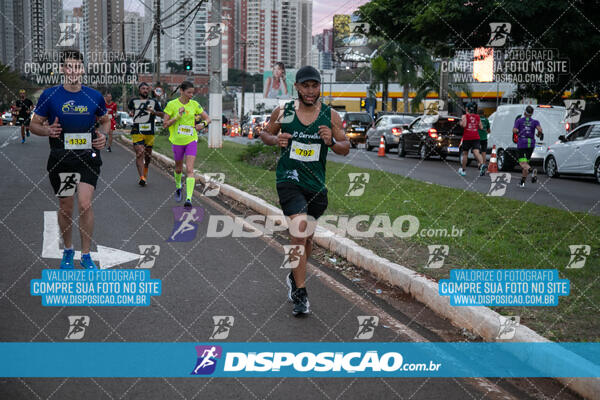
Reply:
x=333, y=142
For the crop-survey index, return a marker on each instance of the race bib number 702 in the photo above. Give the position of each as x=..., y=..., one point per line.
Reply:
x=305, y=151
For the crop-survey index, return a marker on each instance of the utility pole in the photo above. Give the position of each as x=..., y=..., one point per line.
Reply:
x=124, y=88
x=244, y=57
x=215, y=134
x=157, y=36
x=253, y=97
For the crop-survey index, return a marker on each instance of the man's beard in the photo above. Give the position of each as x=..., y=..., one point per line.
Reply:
x=308, y=104
x=144, y=96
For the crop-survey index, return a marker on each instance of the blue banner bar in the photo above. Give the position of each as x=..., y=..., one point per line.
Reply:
x=300, y=359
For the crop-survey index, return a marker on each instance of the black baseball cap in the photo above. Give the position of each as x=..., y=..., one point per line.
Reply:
x=528, y=110
x=308, y=73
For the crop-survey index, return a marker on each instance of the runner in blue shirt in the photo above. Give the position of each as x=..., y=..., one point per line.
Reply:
x=66, y=114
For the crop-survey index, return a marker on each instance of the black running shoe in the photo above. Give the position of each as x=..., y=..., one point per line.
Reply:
x=301, y=304
x=534, y=175
x=109, y=149
x=187, y=204
x=178, y=195
x=522, y=183
x=291, y=284
x=142, y=182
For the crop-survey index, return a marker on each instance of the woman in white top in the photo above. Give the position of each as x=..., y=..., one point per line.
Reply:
x=275, y=87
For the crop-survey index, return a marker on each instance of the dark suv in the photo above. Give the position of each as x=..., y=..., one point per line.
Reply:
x=431, y=135
x=356, y=125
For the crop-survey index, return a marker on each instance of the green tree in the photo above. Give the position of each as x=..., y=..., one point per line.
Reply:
x=446, y=25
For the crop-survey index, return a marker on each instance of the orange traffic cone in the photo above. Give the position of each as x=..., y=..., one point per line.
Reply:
x=232, y=133
x=381, y=152
x=250, y=136
x=493, y=167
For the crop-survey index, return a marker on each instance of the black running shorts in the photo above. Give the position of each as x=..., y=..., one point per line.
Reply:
x=295, y=199
x=471, y=145
x=82, y=162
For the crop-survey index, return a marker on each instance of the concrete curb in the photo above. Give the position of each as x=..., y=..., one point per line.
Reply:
x=479, y=320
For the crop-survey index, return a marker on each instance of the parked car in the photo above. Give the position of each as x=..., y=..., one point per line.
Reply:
x=431, y=135
x=123, y=120
x=577, y=153
x=356, y=125
x=390, y=127
x=7, y=118
x=551, y=119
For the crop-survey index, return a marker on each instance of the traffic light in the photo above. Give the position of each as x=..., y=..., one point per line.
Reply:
x=187, y=64
x=362, y=104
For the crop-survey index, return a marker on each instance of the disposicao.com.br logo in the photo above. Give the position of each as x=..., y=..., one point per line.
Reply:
x=326, y=362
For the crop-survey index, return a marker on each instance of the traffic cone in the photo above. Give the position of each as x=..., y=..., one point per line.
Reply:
x=250, y=136
x=493, y=167
x=381, y=152
x=232, y=134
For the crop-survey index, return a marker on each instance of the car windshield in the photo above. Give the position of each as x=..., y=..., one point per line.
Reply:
x=359, y=117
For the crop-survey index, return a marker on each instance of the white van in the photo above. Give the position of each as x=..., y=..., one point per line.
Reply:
x=551, y=119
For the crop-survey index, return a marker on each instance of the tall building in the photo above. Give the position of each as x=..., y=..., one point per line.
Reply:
x=102, y=26
x=29, y=30
x=328, y=40
x=304, y=38
x=134, y=30
x=289, y=47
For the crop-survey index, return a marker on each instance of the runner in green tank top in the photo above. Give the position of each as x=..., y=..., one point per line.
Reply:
x=304, y=129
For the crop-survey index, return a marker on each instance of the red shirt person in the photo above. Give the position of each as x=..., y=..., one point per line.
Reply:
x=111, y=108
x=470, y=140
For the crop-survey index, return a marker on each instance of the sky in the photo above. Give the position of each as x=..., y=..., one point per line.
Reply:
x=323, y=10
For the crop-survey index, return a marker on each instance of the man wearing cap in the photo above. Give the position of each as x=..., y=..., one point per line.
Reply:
x=305, y=129
x=526, y=129
x=144, y=111
x=23, y=107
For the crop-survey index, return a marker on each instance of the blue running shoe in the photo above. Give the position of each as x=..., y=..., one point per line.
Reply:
x=67, y=260
x=178, y=196
x=87, y=262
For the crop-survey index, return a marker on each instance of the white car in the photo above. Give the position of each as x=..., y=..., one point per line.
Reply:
x=7, y=118
x=551, y=119
x=578, y=153
x=124, y=120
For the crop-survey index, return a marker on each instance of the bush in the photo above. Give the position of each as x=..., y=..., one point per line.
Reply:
x=260, y=155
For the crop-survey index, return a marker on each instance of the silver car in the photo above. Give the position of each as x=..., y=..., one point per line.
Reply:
x=390, y=127
x=578, y=153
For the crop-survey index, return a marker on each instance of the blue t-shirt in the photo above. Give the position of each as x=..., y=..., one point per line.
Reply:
x=76, y=112
x=526, y=127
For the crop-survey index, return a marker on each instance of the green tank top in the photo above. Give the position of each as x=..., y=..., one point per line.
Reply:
x=303, y=161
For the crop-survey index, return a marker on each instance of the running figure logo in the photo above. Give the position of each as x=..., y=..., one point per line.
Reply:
x=213, y=33
x=77, y=326
x=573, y=111
x=508, y=327
x=500, y=182
x=293, y=253
x=223, y=324
x=148, y=254
x=214, y=180
x=68, y=34
x=186, y=223
x=68, y=183
x=207, y=359
x=366, y=326
x=500, y=32
x=437, y=255
x=579, y=253
x=358, y=183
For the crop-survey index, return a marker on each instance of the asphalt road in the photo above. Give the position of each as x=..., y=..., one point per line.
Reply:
x=569, y=193
x=200, y=279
